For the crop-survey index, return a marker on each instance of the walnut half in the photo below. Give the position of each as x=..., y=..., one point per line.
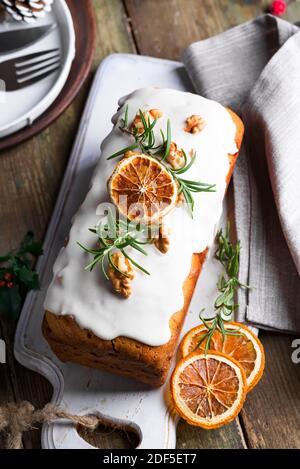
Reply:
x=149, y=116
x=162, y=240
x=175, y=157
x=121, y=281
x=194, y=124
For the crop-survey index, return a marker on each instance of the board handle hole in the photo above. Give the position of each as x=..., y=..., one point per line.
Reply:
x=109, y=435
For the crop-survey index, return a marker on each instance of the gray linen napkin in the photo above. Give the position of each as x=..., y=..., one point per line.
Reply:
x=255, y=69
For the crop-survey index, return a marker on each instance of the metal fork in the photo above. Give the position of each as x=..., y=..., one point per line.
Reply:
x=25, y=71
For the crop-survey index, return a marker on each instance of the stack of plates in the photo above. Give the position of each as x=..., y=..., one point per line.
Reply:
x=19, y=109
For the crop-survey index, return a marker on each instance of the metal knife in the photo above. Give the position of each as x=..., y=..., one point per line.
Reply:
x=19, y=38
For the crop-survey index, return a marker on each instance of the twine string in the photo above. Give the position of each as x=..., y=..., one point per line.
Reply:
x=15, y=419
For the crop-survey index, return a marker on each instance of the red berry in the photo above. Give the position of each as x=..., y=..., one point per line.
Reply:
x=8, y=277
x=10, y=285
x=278, y=7
x=2, y=283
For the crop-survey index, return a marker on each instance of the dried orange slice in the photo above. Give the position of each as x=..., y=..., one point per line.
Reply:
x=208, y=390
x=246, y=348
x=142, y=188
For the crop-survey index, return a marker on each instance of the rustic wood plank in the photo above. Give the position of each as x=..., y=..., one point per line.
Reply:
x=163, y=28
x=229, y=437
x=30, y=177
x=271, y=415
x=109, y=438
x=24, y=385
x=6, y=387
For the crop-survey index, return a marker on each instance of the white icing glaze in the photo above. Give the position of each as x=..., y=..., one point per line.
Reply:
x=88, y=296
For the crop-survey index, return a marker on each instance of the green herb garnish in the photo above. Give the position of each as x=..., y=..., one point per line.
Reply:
x=115, y=235
x=17, y=277
x=124, y=121
x=228, y=254
x=145, y=142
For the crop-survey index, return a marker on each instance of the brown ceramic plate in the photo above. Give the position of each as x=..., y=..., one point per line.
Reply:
x=85, y=31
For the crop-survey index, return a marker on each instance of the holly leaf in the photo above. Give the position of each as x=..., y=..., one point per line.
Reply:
x=18, y=263
x=29, y=278
x=2, y=272
x=30, y=245
x=5, y=258
x=35, y=248
x=10, y=301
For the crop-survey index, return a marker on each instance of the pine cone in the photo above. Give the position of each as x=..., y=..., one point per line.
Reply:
x=27, y=10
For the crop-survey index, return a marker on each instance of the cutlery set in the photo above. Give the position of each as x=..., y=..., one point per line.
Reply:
x=26, y=70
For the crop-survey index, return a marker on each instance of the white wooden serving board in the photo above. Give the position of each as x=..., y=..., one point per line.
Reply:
x=83, y=390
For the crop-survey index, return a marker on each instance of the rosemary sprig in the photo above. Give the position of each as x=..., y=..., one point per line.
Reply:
x=146, y=143
x=228, y=254
x=114, y=235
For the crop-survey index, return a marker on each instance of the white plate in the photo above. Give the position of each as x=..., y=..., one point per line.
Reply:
x=20, y=108
x=83, y=390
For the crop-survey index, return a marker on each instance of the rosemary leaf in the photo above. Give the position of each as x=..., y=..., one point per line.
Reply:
x=168, y=141
x=114, y=265
x=186, y=166
x=135, y=263
x=228, y=255
x=103, y=268
x=125, y=120
x=132, y=147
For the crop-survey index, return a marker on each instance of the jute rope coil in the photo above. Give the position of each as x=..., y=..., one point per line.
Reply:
x=18, y=418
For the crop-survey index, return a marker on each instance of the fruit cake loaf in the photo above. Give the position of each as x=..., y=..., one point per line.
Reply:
x=130, y=324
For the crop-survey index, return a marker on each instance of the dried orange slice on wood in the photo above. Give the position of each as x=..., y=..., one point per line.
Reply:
x=246, y=348
x=208, y=390
x=142, y=188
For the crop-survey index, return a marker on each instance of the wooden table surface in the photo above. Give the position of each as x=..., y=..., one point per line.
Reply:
x=30, y=177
